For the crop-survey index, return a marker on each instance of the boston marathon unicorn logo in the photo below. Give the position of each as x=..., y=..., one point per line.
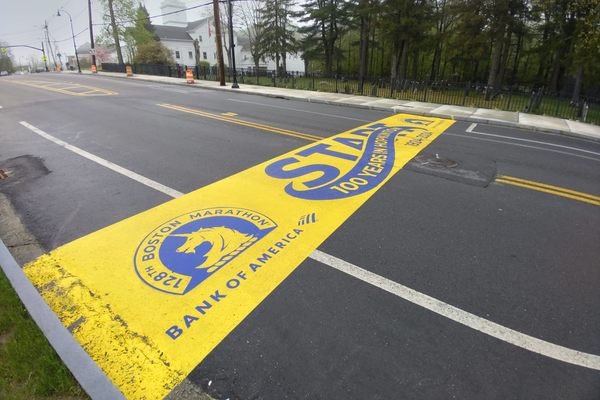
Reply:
x=225, y=243
x=183, y=252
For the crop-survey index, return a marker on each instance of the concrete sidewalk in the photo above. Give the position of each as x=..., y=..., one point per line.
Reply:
x=479, y=115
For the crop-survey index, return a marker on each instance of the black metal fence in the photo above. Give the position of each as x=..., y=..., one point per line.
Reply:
x=466, y=94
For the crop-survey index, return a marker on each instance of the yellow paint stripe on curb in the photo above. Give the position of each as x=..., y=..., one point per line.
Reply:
x=268, y=128
x=556, y=188
x=549, y=191
x=151, y=296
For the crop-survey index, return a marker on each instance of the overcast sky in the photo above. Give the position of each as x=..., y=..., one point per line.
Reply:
x=21, y=22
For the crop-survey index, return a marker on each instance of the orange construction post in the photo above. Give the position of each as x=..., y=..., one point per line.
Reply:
x=189, y=75
x=129, y=70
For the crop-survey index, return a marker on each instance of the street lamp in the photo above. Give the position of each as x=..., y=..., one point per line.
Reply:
x=232, y=46
x=72, y=33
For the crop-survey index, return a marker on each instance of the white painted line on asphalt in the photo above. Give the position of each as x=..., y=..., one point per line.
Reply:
x=521, y=145
x=471, y=127
x=437, y=306
x=470, y=130
x=298, y=110
x=105, y=163
x=87, y=373
x=462, y=317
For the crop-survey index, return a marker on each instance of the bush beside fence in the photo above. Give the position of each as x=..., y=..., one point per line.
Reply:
x=466, y=94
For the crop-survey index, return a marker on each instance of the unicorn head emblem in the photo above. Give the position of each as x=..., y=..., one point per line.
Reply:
x=225, y=244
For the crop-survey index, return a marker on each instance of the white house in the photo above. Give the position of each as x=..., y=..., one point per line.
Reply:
x=192, y=42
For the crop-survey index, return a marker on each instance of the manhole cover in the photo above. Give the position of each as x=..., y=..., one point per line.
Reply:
x=434, y=160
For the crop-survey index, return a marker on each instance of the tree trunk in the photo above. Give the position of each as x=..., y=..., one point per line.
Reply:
x=494, y=64
x=284, y=63
x=415, y=63
x=364, y=45
x=504, y=61
x=115, y=31
x=515, y=68
x=395, y=59
x=578, y=82
x=435, y=63
x=556, y=66
x=403, y=61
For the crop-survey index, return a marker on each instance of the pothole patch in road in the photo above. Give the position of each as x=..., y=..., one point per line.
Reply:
x=474, y=171
x=18, y=170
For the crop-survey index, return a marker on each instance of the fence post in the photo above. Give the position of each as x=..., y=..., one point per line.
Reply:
x=336, y=83
x=509, y=98
x=584, y=111
x=313, y=81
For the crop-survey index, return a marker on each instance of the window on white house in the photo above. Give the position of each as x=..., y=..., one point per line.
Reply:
x=204, y=55
x=215, y=56
x=177, y=54
x=200, y=38
x=190, y=55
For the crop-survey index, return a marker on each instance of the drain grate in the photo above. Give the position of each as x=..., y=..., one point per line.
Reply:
x=3, y=174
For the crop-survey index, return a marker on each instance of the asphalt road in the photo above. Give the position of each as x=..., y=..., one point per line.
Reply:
x=525, y=259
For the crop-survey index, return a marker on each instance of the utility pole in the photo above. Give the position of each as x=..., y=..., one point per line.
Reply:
x=49, y=45
x=232, y=46
x=218, y=41
x=92, y=48
x=44, y=57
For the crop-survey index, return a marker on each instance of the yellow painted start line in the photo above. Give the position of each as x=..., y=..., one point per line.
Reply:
x=150, y=296
x=69, y=88
x=545, y=188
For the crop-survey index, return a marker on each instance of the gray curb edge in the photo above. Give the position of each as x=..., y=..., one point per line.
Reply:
x=91, y=378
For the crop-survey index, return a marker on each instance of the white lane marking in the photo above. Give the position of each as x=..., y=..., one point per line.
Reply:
x=298, y=110
x=105, y=163
x=462, y=317
x=471, y=127
x=520, y=145
x=437, y=306
x=470, y=130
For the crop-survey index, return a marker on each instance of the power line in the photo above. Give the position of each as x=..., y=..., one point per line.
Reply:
x=159, y=15
x=71, y=37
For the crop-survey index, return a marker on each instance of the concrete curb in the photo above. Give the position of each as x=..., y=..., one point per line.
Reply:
x=91, y=378
x=394, y=109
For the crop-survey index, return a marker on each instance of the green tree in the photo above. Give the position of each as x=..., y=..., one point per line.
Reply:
x=250, y=17
x=278, y=32
x=6, y=63
x=325, y=20
x=118, y=15
x=586, y=49
x=153, y=53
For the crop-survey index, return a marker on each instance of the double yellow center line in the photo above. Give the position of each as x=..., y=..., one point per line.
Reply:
x=236, y=121
x=509, y=180
x=555, y=190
